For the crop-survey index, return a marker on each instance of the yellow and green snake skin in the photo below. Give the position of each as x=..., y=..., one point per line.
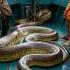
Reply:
x=11, y=49
x=48, y=54
x=35, y=53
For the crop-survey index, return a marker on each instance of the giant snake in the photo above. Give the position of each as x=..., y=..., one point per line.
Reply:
x=10, y=47
x=49, y=54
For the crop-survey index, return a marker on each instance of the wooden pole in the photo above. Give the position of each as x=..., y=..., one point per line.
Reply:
x=34, y=10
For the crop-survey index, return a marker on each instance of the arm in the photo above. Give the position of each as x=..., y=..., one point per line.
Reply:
x=66, y=12
x=5, y=8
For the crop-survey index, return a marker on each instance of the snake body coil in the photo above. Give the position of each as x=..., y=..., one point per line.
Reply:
x=10, y=40
x=54, y=55
x=10, y=48
x=42, y=37
x=35, y=53
x=41, y=16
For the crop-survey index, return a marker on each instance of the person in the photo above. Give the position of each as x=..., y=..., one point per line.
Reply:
x=5, y=16
x=67, y=19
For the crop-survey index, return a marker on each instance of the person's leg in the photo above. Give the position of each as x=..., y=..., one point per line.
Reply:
x=5, y=25
x=67, y=37
x=68, y=27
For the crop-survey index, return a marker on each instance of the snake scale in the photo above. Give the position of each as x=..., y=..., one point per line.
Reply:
x=49, y=54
